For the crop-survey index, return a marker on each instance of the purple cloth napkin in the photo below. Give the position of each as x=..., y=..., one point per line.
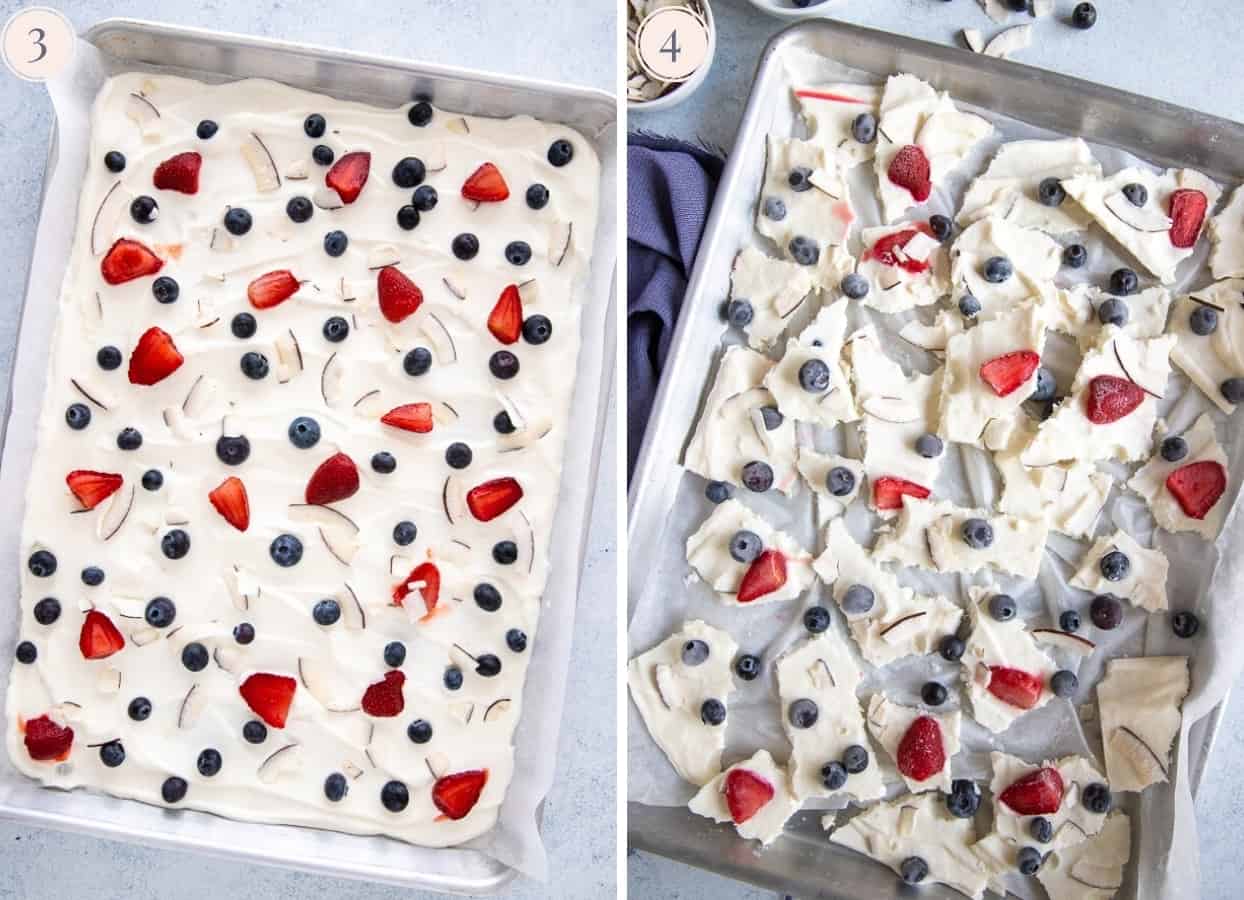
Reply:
x=670, y=189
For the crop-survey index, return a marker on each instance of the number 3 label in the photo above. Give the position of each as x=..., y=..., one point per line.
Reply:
x=37, y=43
x=672, y=43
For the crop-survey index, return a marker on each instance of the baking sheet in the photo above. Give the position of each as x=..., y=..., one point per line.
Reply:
x=514, y=844
x=967, y=478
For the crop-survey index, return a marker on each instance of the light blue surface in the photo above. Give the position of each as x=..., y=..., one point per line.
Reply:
x=1182, y=51
x=580, y=831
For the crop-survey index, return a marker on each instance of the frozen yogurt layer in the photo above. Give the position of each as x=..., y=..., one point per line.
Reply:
x=1011, y=187
x=1002, y=265
x=935, y=335
x=754, y=795
x=1116, y=564
x=1139, y=701
x=803, y=196
x=831, y=111
x=919, y=742
x=1053, y=791
x=745, y=559
x=1006, y=672
x=1226, y=232
x=1078, y=312
x=810, y=382
x=1092, y=870
x=904, y=265
x=1186, y=493
x=773, y=288
x=1208, y=326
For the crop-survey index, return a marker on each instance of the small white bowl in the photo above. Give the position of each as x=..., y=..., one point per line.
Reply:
x=686, y=88
x=784, y=9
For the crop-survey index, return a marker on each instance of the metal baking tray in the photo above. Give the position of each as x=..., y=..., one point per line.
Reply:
x=214, y=57
x=804, y=863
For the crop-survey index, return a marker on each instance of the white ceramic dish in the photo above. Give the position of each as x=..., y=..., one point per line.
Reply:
x=688, y=87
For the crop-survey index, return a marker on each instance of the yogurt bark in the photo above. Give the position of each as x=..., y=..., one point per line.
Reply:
x=920, y=743
x=670, y=685
x=1141, y=580
x=1210, y=359
x=777, y=569
x=824, y=474
x=1053, y=790
x=818, y=346
x=774, y=287
x=1226, y=232
x=935, y=335
x=1092, y=870
x=289, y=469
x=830, y=111
x=1187, y=494
x=905, y=267
x=1007, y=189
x=753, y=794
x=803, y=195
x=1076, y=312
x=1034, y=259
x=1139, y=701
x=1006, y=672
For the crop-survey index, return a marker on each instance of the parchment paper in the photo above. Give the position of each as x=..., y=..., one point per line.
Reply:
x=1203, y=577
x=515, y=840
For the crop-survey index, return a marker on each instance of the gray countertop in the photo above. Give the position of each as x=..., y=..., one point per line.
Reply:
x=1155, y=49
x=580, y=831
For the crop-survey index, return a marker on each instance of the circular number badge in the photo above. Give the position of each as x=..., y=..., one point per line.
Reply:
x=672, y=43
x=37, y=43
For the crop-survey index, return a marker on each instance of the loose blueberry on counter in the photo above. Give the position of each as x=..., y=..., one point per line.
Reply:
x=952, y=648
x=798, y=179
x=1028, y=860
x=394, y=654
x=144, y=210
x=458, y=455
x=964, y=798
x=108, y=358
x=409, y=172
x=335, y=243
x=1064, y=683
x=1075, y=256
x=739, y=313
x=833, y=776
x=929, y=446
x=336, y=329
x=816, y=619
x=804, y=250
x=299, y=209
x=998, y=269
x=1123, y=282
x=747, y=666
x=47, y=611
x=969, y=306
x=913, y=870
x=420, y=114
x=502, y=424
x=114, y=161
x=1002, y=607
x=803, y=713
x=516, y=640
x=26, y=653
x=112, y=754
x=209, y=762
x=174, y=789
x=757, y=476
x=854, y=286
x=774, y=209
x=165, y=289
x=503, y=364
x=394, y=795
x=255, y=732
x=933, y=693
x=745, y=546
x=1113, y=312
x=518, y=253
x=326, y=612
x=854, y=759
x=254, y=365
x=194, y=657
x=537, y=329
x=1041, y=829
x=1232, y=390
x=940, y=226
x=858, y=599
x=814, y=376
x=1106, y=612
x=314, y=125
x=488, y=665
x=304, y=432
x=1185, y=624
x=139, y=709
x=487, y=597
x=244, y=633
x=712, y=712
x=323, y=154
x=1136, y=194
x=243, y=325
x=1096, y=798
x=864, y=128
x=77, y=416
x=504, y=552
x=453, y=678
x=1050, y=192
x=1069, y=621
x=840, y=481
x=465, y=246
x=42, y=564
x=404, y=533
x=417, y=361
x=1114, y=565
x=175, y=544
x=160, y=612
x=383, y=462
x=285, y=550
x=153, y=480
x=419, y=732
x=238, y=221
x=129, y=439
x=407, y=217
x=718, y=491
x=561, y=152
x=336, y=787
x=1046, y=387
x=977, y=534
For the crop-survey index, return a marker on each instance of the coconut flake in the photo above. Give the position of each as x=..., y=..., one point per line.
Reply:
x=1010, y=41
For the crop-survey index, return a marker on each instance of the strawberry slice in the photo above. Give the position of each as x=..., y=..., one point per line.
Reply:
x=179, y=173
x=1110, y=398
x=920, y=753
x=506, y=319
x=416, y=417
x=348, y=175
x=384, y=698
x=269, y=696
x=910, y=169
x=155, y=357
x=336, y=479
x=1006, y=373
x=888, y=492
x=47, y=741
x=456, y=795
x=1187, y=209
x=1014, y=686
x=399, y=296
x=1197, y=487
x=128, y=259
x=746, y=792
x=93, y=488
x=1038, y=793
x=272, y=288
x=99, y=638
x=886, y=250
x=427, y=573
x=229, y=499
x=486, y=185
x=808, y=93
x=490, y=499
x=766, y=574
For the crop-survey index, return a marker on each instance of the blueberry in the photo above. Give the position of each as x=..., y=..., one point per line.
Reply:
x=129, y=439
x=194, y=657
x=208, y=762
x=964, y=798
x=913, y=870
x=814, y=376
x=537, y=196
x=840, y=481
x=314, y=125
x=854, y=759
x=1069, y=621
x=255, y=732
x=1041, y=829
x=153, y=479
x=304, y=432
x=857, y=600
x=977, y=534
x=854, y=286
x=1028, y=860
x=501, y=423
x=254, y=365
x=774, y=209
x=174, y=789
x=798, y=177
x=42, y=564
x=420, y=114
x=114, y=161
x=383, y=462
x=139, y=709
x=175, y=544
x=394, y=654
x=1115, y=565
x=816, y=619
x=1050, y=192
x=998, y=269
x=112, y=754
x=518, y=253
x=952, y=648
x=77, y=416
x=326, y=612
x=238, y=221
x=803, y=713
x=864, y=128
x=718, y=491
x=1096, y=798
x=409, y=172
x=940, y=226
x=404, y=533
x=1046, y=387
x=757, y=476
x=322, y=154
x=26, y=653
x=516, y=640
x=458, y=455
x=503, y=364
x=929, y=446
x=504, y=552
x=804, y=251
x=833, y=776
x=419, y=731
x=1075, y=256
x=1203, y=321
x=1106, y=612
x=285, y=550
x=453, y=678
x=747, y=666
x=933, y=693
x=336, y=787
x=144, y=210
x=487, y=664
x=1113, y=311
x=739, y=313
x=487, y=597
x=1136, y=194
x=712, y=712
x=465, y=246
x=394, y=795
x=1063, y=683
x=335, y=243
x=537, y=329
x=969, y=306
x=1017, y=5
x=1002, y=607
x=299, y=209
x=47, y=611
x=417, y=361
x=243, y=325
x=108, y=358
x=1123, y=282
x=561, y=152
x=233, y=451
x=244, y=633
x=1185, y=624
x=1233, y=390
x=424, y=198
x=407, y=217
x=160, y=612
x=165, y=289
x=336, y=329
x=694, y=652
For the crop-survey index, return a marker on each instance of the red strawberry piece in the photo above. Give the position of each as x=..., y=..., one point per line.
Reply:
x=888, y=492
x=399, y=296
x=885, y=250
x=416, y=417
x=1110, y=398
x=348, y=175
x=1197, y=487
x=272, y=288
x=384, y=698
x=827, y=95
x=229, y=499
x=746, y=792
x=456, y=795
x=45, y=740
x=506, y=319
x=269, y=696
x=99, y=638
x=155, y=357
x=920, y=753
x=1187, y=209
x=1004, y=374
x=427, y=573
x=128, y=259
x=179, y=173
x=336, y=479
x=1014, y=686
x=910, y=169
x=766, y=574
x=486, y=185
x=93, y=488
x=492, y=498
x=1038, y=793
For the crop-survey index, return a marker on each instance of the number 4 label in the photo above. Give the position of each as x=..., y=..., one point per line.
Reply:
x=672, y=43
